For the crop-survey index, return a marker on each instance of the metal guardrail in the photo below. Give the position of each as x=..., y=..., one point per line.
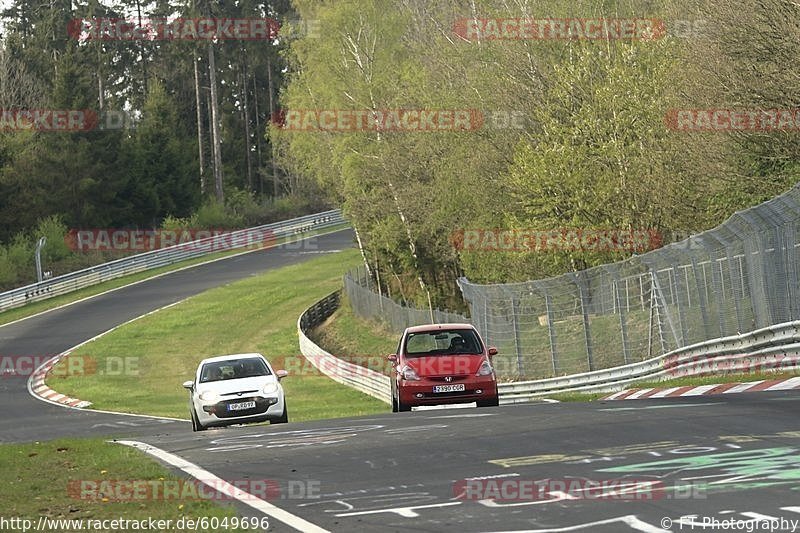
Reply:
x=166, y=256
x=775, y=347
x=358, y=377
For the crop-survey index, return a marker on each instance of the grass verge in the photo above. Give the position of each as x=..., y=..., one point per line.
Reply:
x=353, y=339
x=258, y=314
x=33, y=308
x=45, y=482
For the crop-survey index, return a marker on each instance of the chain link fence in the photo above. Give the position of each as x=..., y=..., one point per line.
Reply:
x=368, y=304
x=738, y=277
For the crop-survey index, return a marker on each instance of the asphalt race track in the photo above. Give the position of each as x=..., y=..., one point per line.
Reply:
x=723, y=458
x=26, y=418
x=607, y=466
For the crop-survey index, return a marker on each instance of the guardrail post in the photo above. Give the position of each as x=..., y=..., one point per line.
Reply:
x=39, y=245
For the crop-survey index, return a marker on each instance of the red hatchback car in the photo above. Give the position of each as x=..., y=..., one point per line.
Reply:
x=441, y=364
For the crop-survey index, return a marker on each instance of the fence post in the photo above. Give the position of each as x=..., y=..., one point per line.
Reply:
x=587, y=333
x=517, y=338
x=551, y=327
x=623, y=327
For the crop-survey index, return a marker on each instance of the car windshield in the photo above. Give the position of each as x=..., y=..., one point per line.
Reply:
x=443, y=342
x=234, y=369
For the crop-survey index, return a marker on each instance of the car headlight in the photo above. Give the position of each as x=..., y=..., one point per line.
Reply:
x=209, y=396
x=485, y=369
x=270, y=388
x=409, y=373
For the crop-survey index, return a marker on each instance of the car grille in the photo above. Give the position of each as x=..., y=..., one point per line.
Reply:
x=468, y=392
x=443, y=379
x=220, y=409
x=239, y=393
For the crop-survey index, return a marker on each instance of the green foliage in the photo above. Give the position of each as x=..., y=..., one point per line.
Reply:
x=150, y=168
x=213, y=215
x=591, y=149
x=55, y=231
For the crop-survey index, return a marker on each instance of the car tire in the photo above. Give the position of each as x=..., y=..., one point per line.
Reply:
x=196, y=426
x=494, y=402
x=401, y=407
x=395, y=400
x=284, y=418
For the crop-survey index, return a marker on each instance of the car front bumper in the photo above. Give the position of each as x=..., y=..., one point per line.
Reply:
x=218, y=414
x=476, y=389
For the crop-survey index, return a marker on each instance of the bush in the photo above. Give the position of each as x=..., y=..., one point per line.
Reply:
x=8, y=274
x=54, y=230
x=212, y=215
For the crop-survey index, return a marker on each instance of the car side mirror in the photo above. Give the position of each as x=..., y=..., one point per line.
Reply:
x=188, y=385
x=280, y=374
x=392, y=358
x=492, y=351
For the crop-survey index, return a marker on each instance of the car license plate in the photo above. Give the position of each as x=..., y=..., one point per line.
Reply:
x=241, y=406
x=449, y=388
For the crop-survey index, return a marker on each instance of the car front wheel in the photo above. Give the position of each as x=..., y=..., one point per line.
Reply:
x=494, y=402
x=284, y=418
x=196, y=426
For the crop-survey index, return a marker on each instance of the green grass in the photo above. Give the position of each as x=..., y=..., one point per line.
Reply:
x=258, y=314
x=38, y=484
x=576, y=396
x=43, y=305
x=356, y=340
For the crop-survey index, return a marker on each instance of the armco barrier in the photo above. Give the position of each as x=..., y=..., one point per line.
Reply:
x=773, y=348
x=360, y=378
x=163, y=257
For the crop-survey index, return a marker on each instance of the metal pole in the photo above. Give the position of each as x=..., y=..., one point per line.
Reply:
x=39, y=246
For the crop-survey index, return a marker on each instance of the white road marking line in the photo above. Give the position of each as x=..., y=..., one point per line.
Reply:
x=416, y=428
x=444, y=406
x=697, y=391
x=788, y=384
x=495, y=476
x=742, y=387
x=630, y=520
x=471, y=415
x=664, y=392
x=405, y=512
x=221, y=485
x=637, y=394
x=669, y=406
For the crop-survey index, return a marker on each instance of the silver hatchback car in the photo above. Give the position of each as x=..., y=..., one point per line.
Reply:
x=236, y=389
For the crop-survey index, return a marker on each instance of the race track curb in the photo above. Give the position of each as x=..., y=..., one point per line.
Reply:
x=706, y=390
